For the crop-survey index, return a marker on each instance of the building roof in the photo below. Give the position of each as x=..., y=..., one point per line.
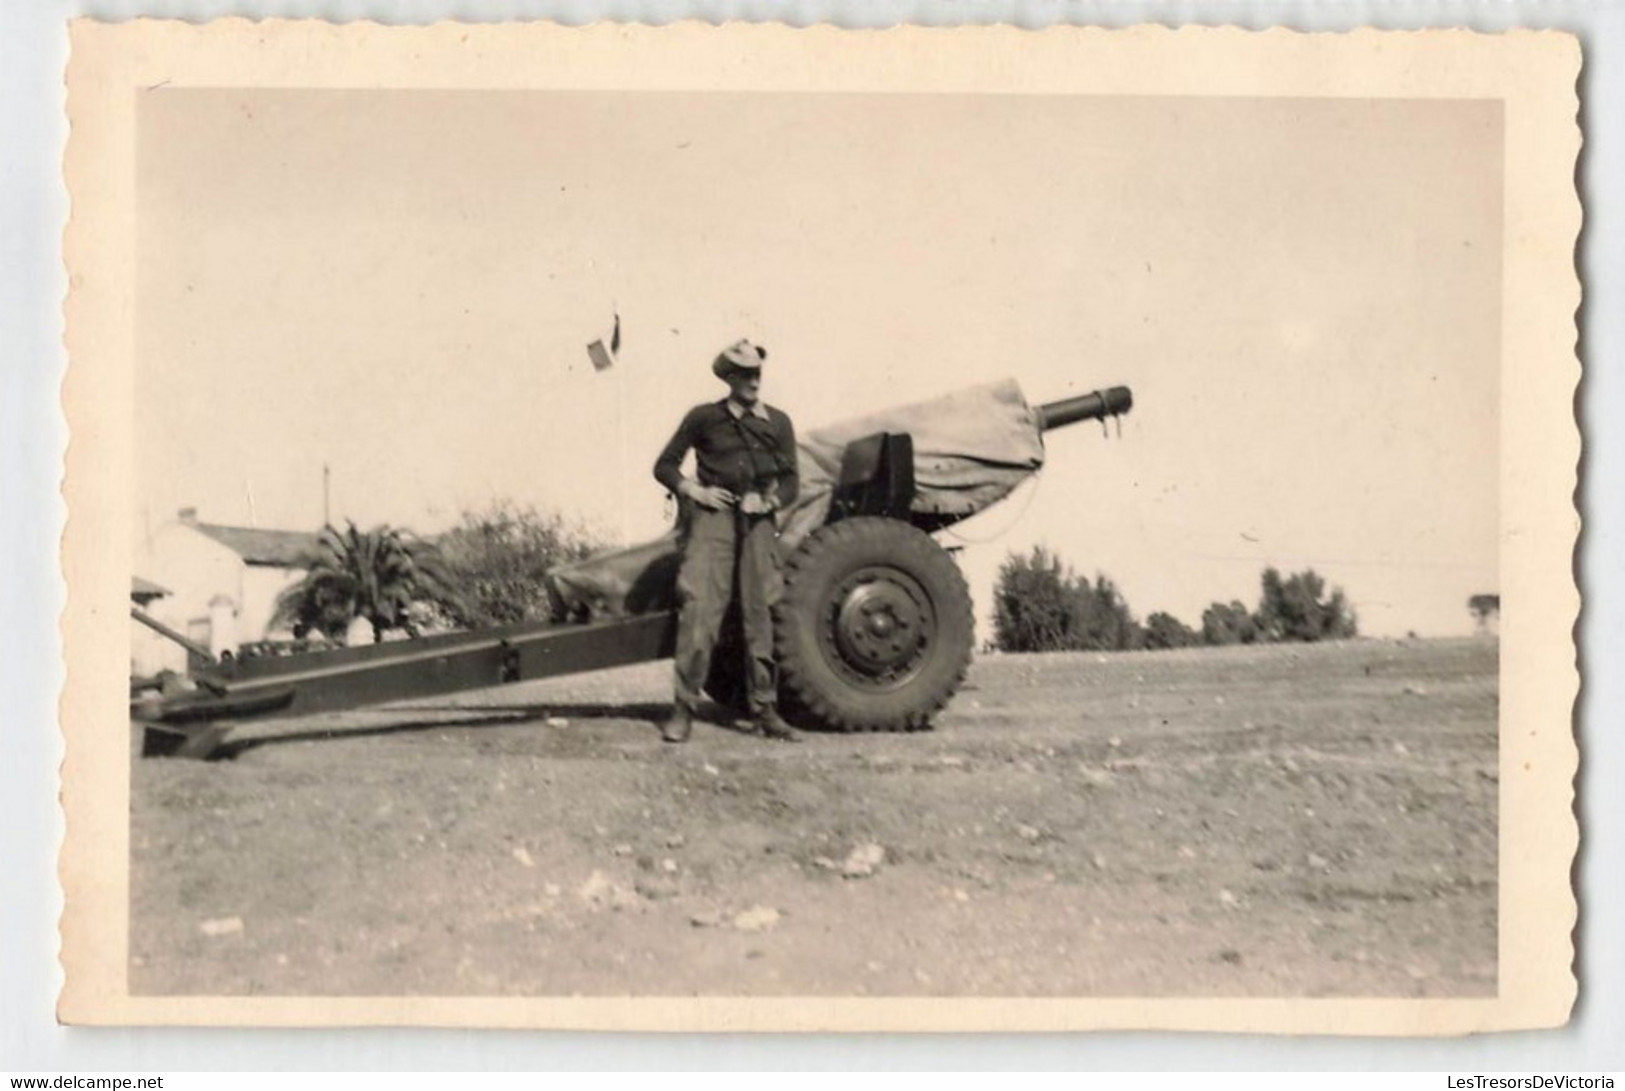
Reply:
x=274, y=548
x=145, y=590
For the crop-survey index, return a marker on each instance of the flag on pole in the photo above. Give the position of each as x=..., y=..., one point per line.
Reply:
x=602, y=357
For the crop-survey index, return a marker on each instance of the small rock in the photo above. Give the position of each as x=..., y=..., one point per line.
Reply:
x=1318, y=862
x=557, y=721
x=952, y=761
x=1231, y=956
x=522, y=854
x=675, y=841
x=760, y=918
x=960, y=895
x=826, y=863
x=623, y=849
x=669, y=866
x=862, y=861
x=1218, y=700
x=222, y=926
x=1187, y=853
x=1114, y=742
x=706, y=918
x=1095, y=778
x=600, y=892
x=874, y=967
x=1028, y=833
x=656, y=887
x=1399, y=748
x=1416, y=691
x=1228, y=900
x=922, y=977
x=711, y=770
x=1099, y=861
x=552, y=890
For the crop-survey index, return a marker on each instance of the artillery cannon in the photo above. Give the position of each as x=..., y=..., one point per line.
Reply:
x=874, y=631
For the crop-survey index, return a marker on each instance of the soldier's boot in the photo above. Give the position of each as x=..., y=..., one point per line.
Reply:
x=679, y=726
x=770, y=725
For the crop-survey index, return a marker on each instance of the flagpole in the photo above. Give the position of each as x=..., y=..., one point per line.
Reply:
x=620, y=446
x=620, y=418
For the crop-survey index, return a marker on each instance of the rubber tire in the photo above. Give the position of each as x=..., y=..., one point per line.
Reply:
x=812, y=690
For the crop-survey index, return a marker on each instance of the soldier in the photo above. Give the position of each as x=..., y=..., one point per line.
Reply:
x=745, y=472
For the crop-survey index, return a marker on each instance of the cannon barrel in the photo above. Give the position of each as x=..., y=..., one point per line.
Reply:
x=1093, y=406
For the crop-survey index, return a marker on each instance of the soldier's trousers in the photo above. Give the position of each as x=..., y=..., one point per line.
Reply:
x=725, y=550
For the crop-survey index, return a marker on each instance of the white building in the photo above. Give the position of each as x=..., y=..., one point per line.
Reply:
x=222, y=585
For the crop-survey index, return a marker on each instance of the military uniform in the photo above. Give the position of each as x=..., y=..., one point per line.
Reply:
x=749, y=450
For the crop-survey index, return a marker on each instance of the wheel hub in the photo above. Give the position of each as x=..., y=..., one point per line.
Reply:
x=882, y=625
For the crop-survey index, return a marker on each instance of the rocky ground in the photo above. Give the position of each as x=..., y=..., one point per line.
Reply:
x=1301, y=821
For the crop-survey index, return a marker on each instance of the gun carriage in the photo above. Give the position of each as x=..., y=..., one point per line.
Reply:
x=874, y=631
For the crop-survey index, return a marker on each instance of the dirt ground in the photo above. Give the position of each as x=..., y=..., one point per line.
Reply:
x=1299, y=821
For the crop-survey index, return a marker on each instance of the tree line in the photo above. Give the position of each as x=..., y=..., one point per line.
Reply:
x=1041, y=605
x=490, y=570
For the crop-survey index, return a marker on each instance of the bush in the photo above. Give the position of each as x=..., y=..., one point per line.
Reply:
x=499, y=558
x=1108, y=624
x=1163, y=630
x=1486, y=611
x=1295, y=609
x=1041, y=606
x=1033, y=604
x=1228, y=624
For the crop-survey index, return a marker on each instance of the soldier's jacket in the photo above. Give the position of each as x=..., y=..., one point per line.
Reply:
x=742, y=450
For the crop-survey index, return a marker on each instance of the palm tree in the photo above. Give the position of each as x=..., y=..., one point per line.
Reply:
x=377, y=574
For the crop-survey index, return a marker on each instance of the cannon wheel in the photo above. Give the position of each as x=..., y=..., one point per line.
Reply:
x=875, y=629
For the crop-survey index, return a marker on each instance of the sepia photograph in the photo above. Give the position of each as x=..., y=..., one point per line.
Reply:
x=593, y=540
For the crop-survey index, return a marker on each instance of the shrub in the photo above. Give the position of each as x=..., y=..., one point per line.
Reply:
x=1041, y=606
x=1033, y=604
x=1486, y=611
x=1297, y=609
x=1164, y=630
x=499, y=557
x=1230, y=623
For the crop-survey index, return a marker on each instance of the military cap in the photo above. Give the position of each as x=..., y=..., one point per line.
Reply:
x=739, y=356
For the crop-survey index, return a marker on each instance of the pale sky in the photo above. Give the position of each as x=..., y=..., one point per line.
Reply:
x=1303, y=294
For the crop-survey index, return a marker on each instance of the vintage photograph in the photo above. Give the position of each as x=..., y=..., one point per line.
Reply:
x=612, y=541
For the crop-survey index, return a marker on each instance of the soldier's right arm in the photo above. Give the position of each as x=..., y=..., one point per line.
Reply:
x=669, y=466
